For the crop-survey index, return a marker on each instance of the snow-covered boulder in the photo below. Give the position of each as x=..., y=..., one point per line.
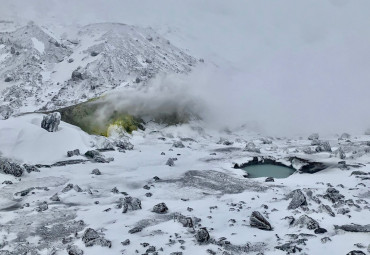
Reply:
x=12, y=168
x=251, y=147
x=314, y=136
x=306, y=221
x=51, y=122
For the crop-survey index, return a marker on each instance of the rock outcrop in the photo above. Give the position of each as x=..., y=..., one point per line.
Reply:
x=51, y=122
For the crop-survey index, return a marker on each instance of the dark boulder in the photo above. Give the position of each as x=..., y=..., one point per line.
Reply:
x=160, y=208
x=256, y=220
x=202, y=236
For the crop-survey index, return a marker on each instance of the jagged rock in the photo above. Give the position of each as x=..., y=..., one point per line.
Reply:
x=224, y=142
x=96, y=172
x=354, y=228
x=323, y=147
x=251, y=147
x=75, y=152
x=178, y=144
x=160, y=208
x=333, y=195
x=24, y=192
x=7, y=182
x=126, y=242
x=325, y=239
x=135, y=230
x=320, y=231
x=77, y=188
x=42, y=207
x=90, y=237
x=345, y=136
x=131, y=204
x=359, y=173
x=269, y=179
x=343, y=211
x=202, y=236
x=51, y=122
x=97, y=157
x=341, y=153
x=306, y=221
x=298, y=199
x=186, y=222
x=74, y=250
x=314, y=136
x=327, y=209
x=170, y=162
x=76, y=75
x=256, y=220
x=68, y=187
x=30, y=168
x=356, y=253
x=288, y=248
x=11, y=168
x=124, y=145
x=55, y=198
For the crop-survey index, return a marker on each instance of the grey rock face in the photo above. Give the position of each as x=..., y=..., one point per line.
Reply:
x=11, y=168
x=51, y=122
x=74, y=250
x=170, y=162
x=202, y=236
x=298, y=199
x=160, y=208
x=256, y=220
x=131, y=204
x=178, y=144
x=306, y=221
x=251, y=147
x=75, y=152
x=354, y=228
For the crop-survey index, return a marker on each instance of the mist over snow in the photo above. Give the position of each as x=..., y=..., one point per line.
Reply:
x=292, y=66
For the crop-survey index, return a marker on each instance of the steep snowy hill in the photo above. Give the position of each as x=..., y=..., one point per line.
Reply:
x=42, y=72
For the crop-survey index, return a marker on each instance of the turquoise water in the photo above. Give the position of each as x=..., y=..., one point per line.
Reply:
x=268, y=170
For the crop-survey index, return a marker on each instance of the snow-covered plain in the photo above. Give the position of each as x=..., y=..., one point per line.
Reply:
x=203, y=179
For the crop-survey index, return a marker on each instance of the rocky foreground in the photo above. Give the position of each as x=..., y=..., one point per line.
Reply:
x=178, y=190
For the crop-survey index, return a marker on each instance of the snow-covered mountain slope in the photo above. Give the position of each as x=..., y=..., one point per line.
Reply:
x=41, y=71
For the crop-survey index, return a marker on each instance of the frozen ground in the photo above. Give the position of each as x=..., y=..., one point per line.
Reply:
x=202, y=184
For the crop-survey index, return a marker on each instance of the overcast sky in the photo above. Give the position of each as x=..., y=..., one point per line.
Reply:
x=294, y=66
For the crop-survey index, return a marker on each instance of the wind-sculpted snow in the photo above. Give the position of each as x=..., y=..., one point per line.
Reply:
x=70, y=70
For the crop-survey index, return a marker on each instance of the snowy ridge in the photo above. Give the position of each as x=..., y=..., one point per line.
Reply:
x=37, y=68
